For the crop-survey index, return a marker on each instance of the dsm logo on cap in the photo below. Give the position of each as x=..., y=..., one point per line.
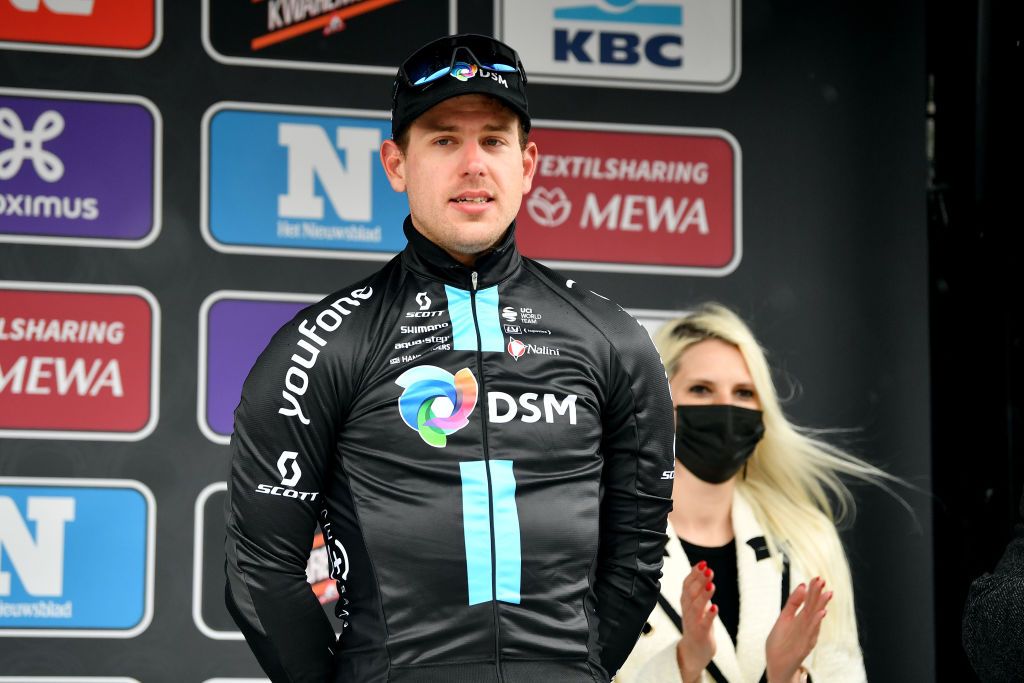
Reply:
x=77, y=557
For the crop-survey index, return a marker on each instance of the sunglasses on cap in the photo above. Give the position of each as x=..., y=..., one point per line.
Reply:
x=459, y=55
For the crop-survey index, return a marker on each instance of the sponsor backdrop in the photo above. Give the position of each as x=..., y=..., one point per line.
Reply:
x=177, y=179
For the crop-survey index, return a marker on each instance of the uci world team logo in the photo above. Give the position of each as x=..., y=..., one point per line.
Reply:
x=657, y=44
x=435, y=402
x=53, y=190
x=105, y=27
x=298, y=181
x=76, y=557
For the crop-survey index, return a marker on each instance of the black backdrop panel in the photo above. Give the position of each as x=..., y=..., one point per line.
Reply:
x=828, y=116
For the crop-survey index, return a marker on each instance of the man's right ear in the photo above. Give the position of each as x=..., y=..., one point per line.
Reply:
x=393, y=161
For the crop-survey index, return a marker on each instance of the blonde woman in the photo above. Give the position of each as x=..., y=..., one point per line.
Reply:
x=756, y=585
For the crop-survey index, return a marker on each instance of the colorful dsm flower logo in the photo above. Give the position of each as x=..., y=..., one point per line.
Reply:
x=464, y=71
x=436, y=403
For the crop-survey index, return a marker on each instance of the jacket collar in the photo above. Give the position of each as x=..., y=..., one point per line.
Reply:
x=431, y=261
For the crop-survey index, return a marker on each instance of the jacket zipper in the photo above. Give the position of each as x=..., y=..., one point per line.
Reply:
x=487, y=469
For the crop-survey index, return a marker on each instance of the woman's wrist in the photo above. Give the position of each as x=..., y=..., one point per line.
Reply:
x=797, y=676
x=688, y=673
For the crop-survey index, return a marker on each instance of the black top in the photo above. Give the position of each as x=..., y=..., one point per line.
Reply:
x=483, y=449
x=722, y=561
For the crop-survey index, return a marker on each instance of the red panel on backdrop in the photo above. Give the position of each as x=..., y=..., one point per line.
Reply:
x=117, y=24
x=634, y=198
x=72, y=361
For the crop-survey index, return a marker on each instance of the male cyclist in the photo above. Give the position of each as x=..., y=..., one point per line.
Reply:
x=486, y=446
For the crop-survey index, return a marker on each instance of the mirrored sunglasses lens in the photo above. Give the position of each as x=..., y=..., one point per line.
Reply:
x=431, y=77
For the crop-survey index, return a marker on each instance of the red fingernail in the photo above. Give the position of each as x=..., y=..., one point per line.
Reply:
x=714, y=608
x=701, y=565
x=708, y=587
x=707, y=573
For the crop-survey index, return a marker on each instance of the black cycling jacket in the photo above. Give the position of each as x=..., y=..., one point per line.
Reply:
x=488, y=453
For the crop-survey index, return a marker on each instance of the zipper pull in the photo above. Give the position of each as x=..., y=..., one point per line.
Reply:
x=473, y=278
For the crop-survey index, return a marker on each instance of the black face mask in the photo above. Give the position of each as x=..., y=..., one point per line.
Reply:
x=715, y=441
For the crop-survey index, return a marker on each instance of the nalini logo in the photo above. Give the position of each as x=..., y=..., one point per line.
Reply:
x=549, y=208
x=516, y=348
x=436, y=403
x=28, y=145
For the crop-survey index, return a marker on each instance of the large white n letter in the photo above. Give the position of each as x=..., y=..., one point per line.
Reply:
x=39, y=563
x=311, y=155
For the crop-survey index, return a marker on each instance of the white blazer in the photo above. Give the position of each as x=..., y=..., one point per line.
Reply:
x=653, y=660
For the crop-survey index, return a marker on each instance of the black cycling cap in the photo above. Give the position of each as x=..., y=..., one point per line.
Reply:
x=458, y=65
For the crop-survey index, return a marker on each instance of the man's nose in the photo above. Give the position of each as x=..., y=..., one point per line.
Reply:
x=473, y=159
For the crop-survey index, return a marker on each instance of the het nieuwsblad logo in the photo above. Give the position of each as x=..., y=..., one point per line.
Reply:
x=76, y=557
x=295, y=180
x=78, y=361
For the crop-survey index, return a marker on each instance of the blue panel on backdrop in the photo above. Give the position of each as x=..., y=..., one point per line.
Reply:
x=299, y=181
x=73, y=557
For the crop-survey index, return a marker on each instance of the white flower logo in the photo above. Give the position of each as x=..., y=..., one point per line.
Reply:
x=549, y=208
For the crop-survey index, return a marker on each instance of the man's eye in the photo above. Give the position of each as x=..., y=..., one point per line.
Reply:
x=443, y=142
x=494, y=142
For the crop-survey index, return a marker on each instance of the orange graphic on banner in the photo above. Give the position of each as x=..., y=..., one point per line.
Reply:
x=317, y=23
x=116, y=24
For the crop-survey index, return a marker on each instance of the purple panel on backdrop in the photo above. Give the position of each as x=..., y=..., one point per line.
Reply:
x=237, y=332
x=76, y=168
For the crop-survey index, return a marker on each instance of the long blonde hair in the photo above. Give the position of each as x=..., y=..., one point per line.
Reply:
x=793, y=479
